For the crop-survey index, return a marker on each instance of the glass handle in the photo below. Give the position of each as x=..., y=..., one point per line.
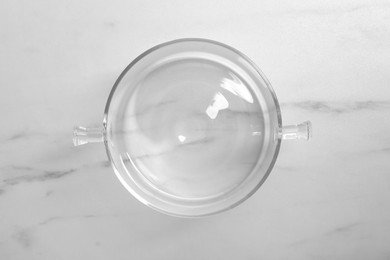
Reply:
x=83, y=135
x=292, y=132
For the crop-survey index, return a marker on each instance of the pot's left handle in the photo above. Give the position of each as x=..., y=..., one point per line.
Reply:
x=83, y=135
x=303, y=131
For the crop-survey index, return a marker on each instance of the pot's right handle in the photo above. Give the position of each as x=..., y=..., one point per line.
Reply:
x=291, y=132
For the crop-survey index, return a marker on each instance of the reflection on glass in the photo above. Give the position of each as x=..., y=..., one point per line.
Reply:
x=237, y=87
x=218, y=103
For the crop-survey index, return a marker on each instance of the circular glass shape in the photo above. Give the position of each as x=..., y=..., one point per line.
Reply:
x=191, y=127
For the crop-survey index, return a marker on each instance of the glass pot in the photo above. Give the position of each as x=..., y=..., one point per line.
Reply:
x=192, y=128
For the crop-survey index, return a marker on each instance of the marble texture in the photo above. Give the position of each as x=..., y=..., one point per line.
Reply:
x=326, y=199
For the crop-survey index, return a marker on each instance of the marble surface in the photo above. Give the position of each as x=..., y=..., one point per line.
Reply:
x=326, y=199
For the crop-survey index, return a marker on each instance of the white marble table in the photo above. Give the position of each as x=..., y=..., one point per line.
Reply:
x=326, y=199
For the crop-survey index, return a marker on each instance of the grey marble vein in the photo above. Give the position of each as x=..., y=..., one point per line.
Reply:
x=336, y=231
x=379, y=150
x=206, y=140
x=37, y=175
x=103, y=164
x=341, y=229
x=226, y=112
x=22, y=135
x=16, y=136
x=58, y=218
x=49, y=193
x=23, y=237
x=385, y=149
x=110, y=24
x=339, y=107
x=176, y=147
x=46, y=175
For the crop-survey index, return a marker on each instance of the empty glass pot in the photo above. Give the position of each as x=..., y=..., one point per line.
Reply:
x=192, y=128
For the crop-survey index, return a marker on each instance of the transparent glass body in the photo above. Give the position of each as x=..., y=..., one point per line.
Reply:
x=192, y=128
